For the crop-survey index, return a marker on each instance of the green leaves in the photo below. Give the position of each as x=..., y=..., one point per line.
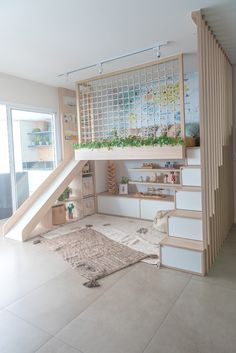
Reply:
x=130, y=141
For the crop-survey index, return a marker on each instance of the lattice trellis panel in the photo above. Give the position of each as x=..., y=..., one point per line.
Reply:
x=142, y=101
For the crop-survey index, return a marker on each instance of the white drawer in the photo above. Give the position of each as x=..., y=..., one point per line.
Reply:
x=183, y=259
x=149, y=208
x=193, y=156
x=189, y=200
x=191, y=176
x=120, y=206
x=182, y=227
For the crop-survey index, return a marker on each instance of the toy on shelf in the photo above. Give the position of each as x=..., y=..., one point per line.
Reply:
x=148, y=166
x=111, y=178
x=173, y=178
x=70, y=210
x=166, y=179
x=86, y=168
x=171, y=165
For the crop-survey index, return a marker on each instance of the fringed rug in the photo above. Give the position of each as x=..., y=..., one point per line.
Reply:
x=93, y=254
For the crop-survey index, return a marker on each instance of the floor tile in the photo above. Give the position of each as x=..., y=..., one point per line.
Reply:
x=203, y=320
x=172, y=337
x=127, y=315
x=17, y=336
x=56, y=346
x=24, y=267
x=223, y=271
x=60, y=300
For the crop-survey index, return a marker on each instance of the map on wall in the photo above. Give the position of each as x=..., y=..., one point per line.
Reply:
x=191, y=97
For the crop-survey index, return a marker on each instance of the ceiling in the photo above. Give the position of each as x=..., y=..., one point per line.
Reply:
x=41, y=39
x=222, y=20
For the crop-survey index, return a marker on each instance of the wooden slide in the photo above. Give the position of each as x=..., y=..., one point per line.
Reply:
x=21, y=224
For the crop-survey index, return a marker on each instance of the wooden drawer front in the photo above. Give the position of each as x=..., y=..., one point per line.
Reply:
x=88, y=206
x=149, y=208
x=87, y=185
x=120, y=206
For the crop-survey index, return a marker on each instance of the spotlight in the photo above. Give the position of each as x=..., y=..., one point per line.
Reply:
x=100, y=68
x=158, y=52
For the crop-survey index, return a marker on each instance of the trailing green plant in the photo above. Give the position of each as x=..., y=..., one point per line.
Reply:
x=65, y=195
x=131, y=141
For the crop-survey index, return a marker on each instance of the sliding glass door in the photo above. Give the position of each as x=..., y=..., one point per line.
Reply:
x=27, y=155
x=34, y=150
x=5, y=175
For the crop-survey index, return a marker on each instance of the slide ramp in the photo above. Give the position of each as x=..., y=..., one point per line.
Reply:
x=21, y=224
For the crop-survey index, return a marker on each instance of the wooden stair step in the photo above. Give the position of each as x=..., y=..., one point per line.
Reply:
x=191, y=166
x=183, y=243
x=189, y=188
x=186, y=214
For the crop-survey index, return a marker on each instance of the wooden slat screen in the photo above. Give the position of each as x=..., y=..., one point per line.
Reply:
x=216, y=121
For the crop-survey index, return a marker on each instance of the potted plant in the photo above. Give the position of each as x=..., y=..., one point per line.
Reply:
x=123, y=186
x=46, y=140
x=192, y=138
x=66, y=194
x=37, y=139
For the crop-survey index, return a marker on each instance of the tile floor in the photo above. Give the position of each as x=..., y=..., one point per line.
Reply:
x=44, y=307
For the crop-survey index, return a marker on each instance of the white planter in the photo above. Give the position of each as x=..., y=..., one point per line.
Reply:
x=123, y=189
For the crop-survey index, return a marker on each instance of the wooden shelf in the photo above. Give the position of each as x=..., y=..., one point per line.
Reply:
x=39, y=133
x=71, y=199
x=87, y=174
x=161, y=185
x=169, y=198
x=41, y=146
x=164, y=170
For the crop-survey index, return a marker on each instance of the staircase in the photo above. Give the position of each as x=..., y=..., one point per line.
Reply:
x=183, y=248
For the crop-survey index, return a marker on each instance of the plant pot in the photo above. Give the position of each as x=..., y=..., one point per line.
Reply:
x=190, y=141
x=123, y=189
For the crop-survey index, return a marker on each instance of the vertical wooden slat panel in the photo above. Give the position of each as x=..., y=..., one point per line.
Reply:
x=216, y=118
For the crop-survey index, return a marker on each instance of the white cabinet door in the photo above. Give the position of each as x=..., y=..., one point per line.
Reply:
x=88, y=206
x=149, y=208
x=87, y=185
x=120, y=206
x=184, y=259
x=184, y=227
x=191, y=176
x=189, y=200
x=193, y=156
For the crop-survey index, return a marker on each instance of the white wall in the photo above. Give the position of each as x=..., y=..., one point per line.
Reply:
x=25, y=92
x=234, y=137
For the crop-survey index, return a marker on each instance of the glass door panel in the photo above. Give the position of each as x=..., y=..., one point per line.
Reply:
x=34, y=150
x=5, y=176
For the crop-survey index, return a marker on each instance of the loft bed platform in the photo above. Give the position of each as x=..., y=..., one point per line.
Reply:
x=132, y=153
x=120, y=112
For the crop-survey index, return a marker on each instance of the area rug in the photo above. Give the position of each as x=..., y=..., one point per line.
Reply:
x=125, y=231
x=93, y=254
